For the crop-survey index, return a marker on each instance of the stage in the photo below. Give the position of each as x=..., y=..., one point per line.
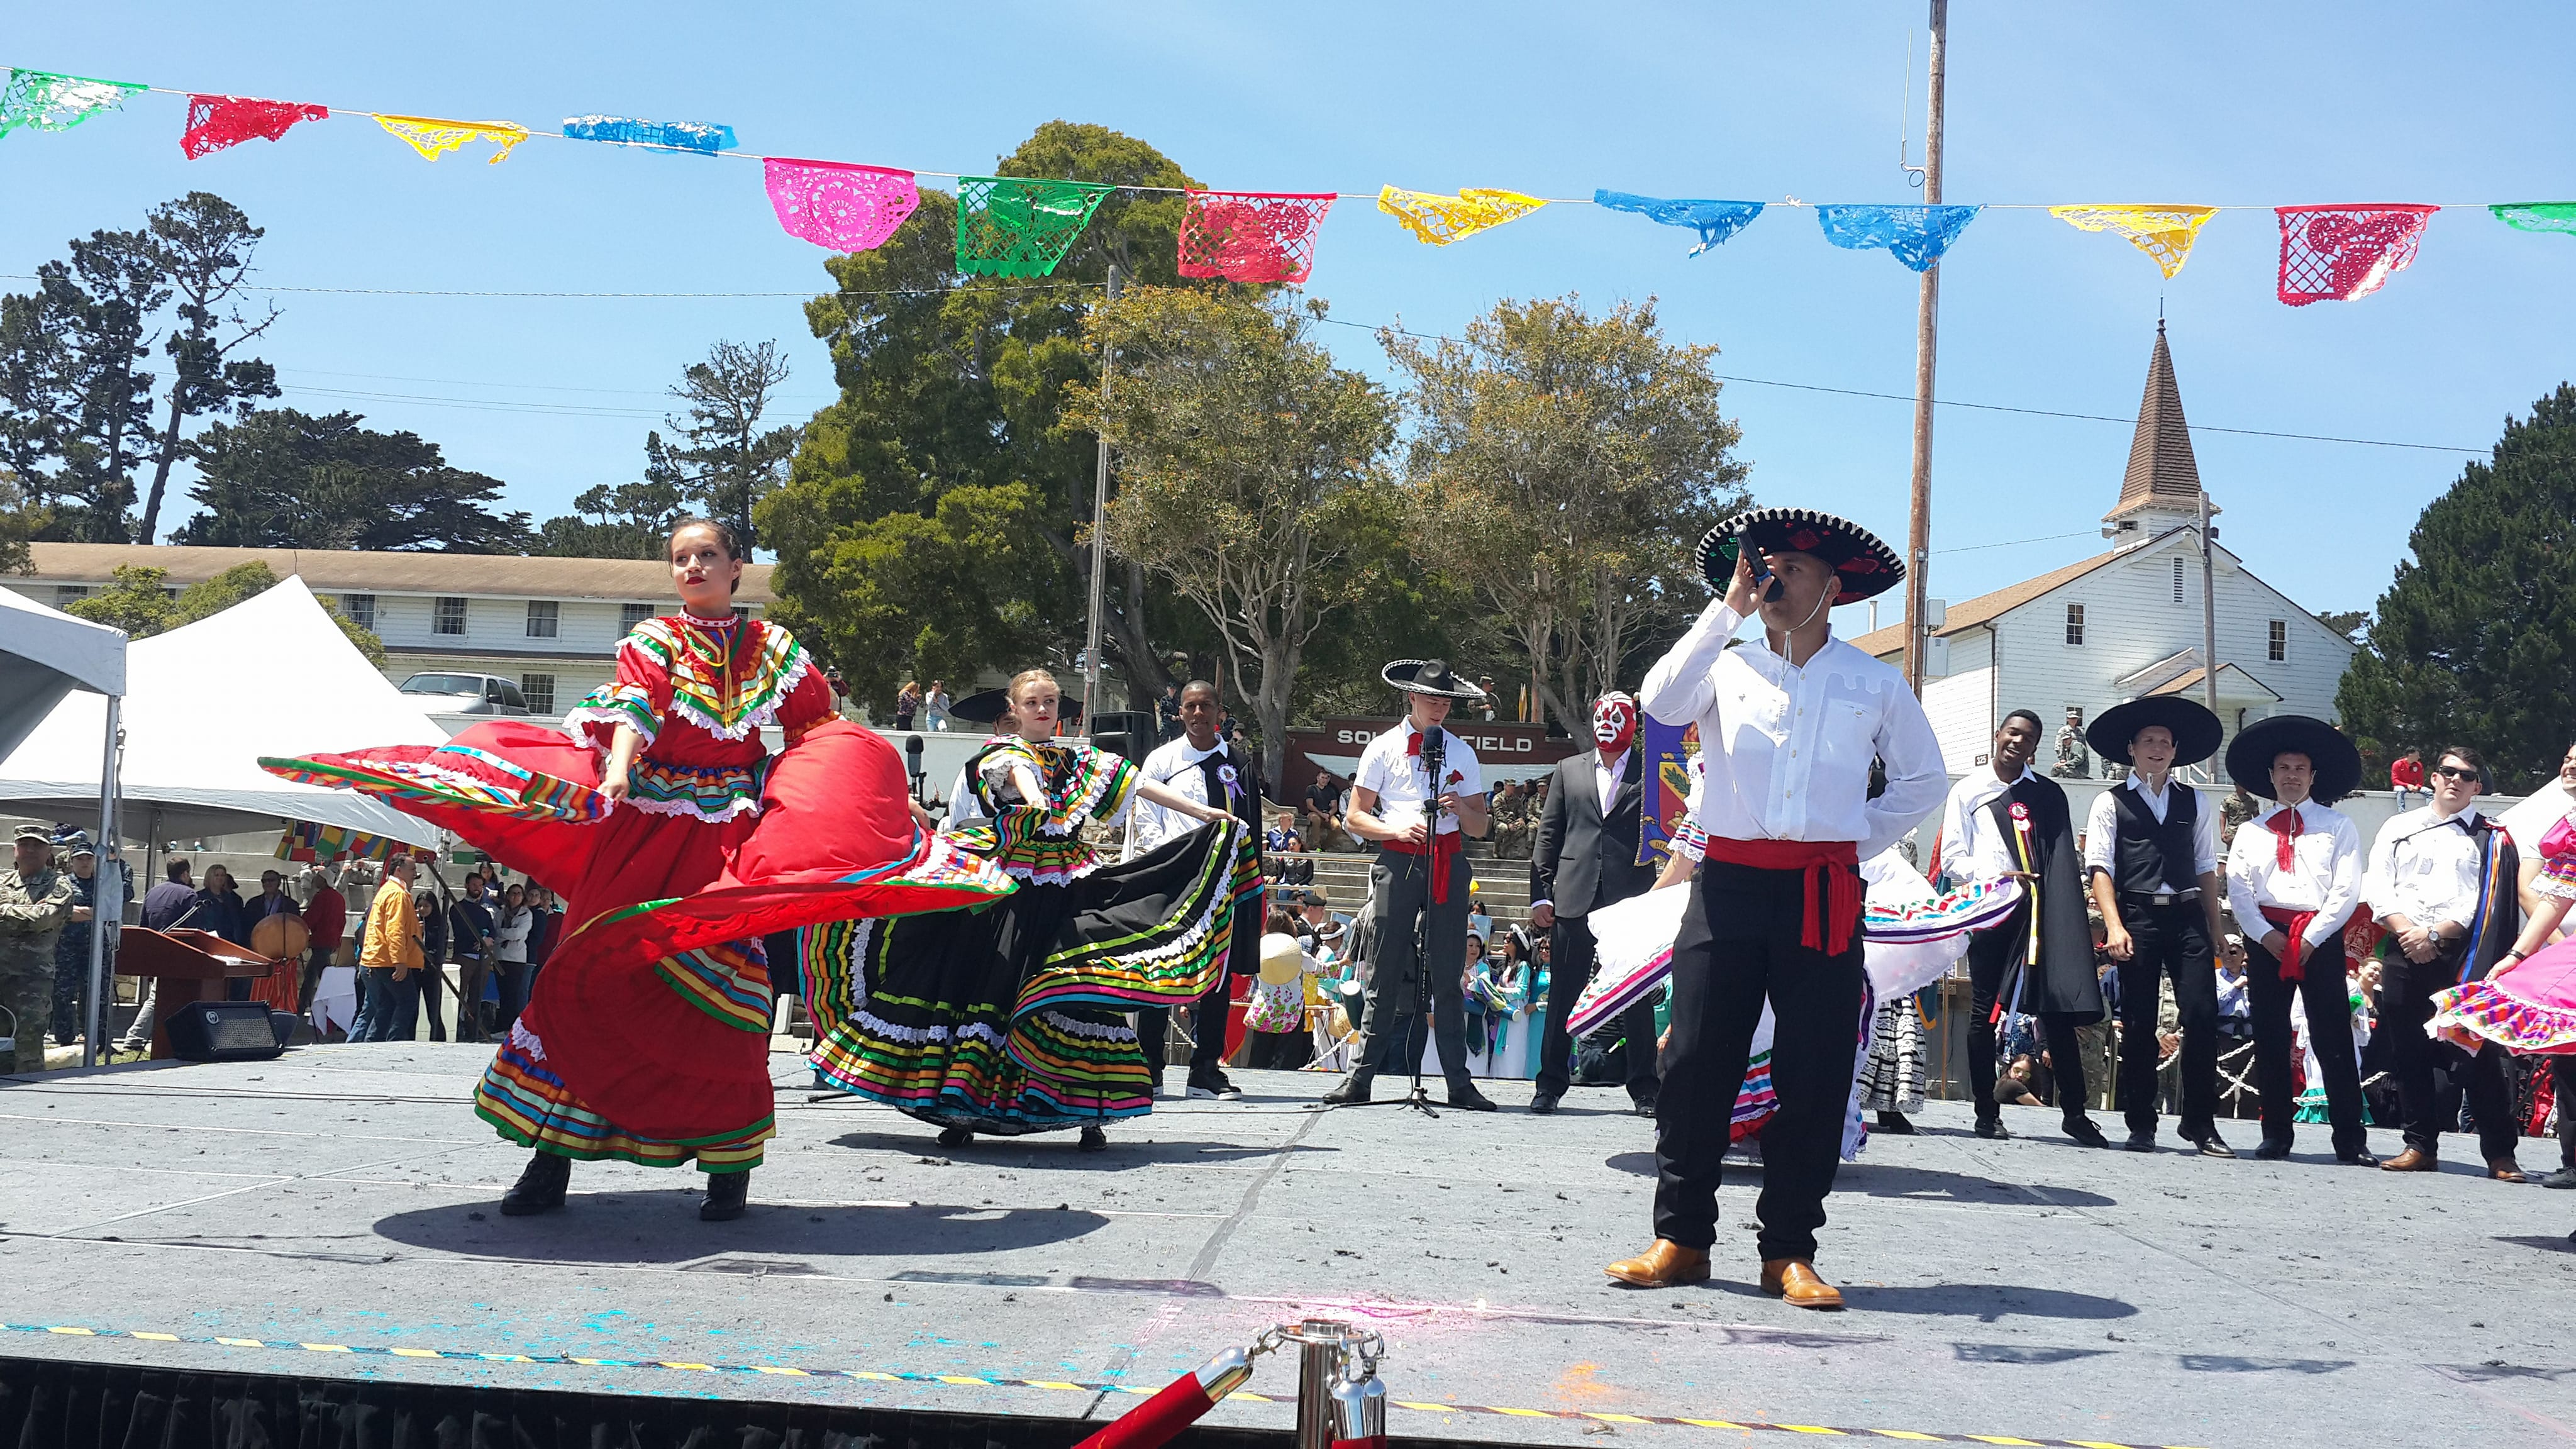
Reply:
x=333, y=1212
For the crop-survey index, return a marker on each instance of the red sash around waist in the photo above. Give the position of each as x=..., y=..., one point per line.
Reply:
x=1446, y=848
x=1833, y=879
x=2294, y=925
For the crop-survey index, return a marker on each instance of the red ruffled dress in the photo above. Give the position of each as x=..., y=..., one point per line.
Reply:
x=2529, y=1006
x=646, y=1038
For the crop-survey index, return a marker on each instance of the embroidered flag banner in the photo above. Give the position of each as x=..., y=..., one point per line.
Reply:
x=2558, y=216
x=1019, y=226
x=1715, y=221
x=2345, y=253
x=2162, y=232
x=434, y=138
x=1666, y=752
x=667, y=135
x=1439, y=220
x=1915, y=235
x=1252, y=236
x=44, y=101
x=838, y=205
x=215, y=122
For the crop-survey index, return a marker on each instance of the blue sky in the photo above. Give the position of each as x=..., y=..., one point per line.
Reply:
x=2181, y=102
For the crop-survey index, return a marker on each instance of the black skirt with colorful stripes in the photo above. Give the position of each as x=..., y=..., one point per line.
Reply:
x=1013, y=1019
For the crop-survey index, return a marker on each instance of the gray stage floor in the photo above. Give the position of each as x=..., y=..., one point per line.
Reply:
x=2024, y=1290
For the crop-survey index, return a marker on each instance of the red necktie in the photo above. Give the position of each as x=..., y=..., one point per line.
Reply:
x=2285, y=831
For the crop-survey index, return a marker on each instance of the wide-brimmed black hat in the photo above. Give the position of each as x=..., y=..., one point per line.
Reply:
x=1428, y=676
x=2195, y=730
x=987, y=705
x=1867, y=566
x=2337, y=761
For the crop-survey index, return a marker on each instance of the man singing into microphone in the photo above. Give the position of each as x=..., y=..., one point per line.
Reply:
x=1419, y=882
x=1789, y=726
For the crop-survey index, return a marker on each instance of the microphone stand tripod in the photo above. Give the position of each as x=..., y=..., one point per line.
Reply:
x=1433, y=745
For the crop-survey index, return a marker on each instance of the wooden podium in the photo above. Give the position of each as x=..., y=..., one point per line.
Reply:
x=191, y=966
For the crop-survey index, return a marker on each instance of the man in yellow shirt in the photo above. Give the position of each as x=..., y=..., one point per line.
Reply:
x=391, y=954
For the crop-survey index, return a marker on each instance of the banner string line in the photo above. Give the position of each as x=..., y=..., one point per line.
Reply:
x=995, y=1381
x=738, y=154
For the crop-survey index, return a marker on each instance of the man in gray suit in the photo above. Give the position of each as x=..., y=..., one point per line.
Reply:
x=1585, y=858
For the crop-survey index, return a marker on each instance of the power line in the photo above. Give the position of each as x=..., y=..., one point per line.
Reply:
x=1907, y=397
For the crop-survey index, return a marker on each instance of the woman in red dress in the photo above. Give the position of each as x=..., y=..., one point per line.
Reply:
x=678, y=841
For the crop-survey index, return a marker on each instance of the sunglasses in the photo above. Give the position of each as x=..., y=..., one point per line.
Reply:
x=2455, y=772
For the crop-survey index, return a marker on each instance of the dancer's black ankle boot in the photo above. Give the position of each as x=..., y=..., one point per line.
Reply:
x=540, y=1188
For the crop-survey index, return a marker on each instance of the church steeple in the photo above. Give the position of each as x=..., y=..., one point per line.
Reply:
x=2162, y=488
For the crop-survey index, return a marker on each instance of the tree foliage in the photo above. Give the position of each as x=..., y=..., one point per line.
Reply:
x=931, y=521
x=287, y=479
x=723, y=459
x=1247, y=467
x=1562, y=466
x=203, y=245
x=2475, y=639
x=140, y=601
x=622, y=520
x=20, y=521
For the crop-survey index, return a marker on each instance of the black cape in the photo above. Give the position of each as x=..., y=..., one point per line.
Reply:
x=2066, y=980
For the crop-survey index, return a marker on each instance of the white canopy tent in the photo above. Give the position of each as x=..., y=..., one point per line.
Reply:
x=46, y=656
x=273, y=675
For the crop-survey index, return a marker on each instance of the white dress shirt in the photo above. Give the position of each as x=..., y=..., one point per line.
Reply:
x=2102, y=832
x=1176, y=764
x=1973, y=848
x=1605, y=778
x=1788, y=749
x=2325, y=876
x=2424, y=866
x=1395, y=773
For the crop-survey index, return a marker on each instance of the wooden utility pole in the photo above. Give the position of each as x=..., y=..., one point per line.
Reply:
x=1927, y=326
x=1099, y=547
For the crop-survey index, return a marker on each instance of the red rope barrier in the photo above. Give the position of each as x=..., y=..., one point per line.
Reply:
x=1154, y=1422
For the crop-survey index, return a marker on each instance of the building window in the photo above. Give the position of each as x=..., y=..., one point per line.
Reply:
x=359, y=609
x=742, y=611
x=543, y=616
x=540, y=692
x=2178, y=570
x=447, y=616
x=66, y=595
x=2075, y=623
x=2280, y=640
x=630, y=615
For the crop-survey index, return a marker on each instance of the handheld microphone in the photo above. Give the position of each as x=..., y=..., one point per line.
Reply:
x=1772, y=594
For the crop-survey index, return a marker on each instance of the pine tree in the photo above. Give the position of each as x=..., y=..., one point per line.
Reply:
x=2475, y=641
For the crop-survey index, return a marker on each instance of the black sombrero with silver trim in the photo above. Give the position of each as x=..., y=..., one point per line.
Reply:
x=987, y=705
x=1867, y=565
x=2195, y=730
x=1428, y=676
x=2335, y=758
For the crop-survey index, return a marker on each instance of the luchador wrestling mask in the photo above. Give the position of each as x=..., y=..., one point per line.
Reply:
x=1614, y=723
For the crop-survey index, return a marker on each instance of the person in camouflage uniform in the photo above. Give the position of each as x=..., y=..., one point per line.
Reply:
x=35, y=905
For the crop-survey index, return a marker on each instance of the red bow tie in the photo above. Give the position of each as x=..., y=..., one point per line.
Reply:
x=2285, y=830
x=1413, y=744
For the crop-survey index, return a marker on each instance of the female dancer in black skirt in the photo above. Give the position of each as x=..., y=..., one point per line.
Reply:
x=1012, y=1019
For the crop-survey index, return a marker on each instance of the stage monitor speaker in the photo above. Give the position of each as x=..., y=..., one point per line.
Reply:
x=223, y=1031
x=1127, y=732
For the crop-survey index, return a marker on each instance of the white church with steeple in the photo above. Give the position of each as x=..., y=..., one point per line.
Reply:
x=2127, y=623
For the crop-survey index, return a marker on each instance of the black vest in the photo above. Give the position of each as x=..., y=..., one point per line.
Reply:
x=2150, y=853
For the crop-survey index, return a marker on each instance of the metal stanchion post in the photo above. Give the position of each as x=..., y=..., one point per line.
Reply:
x=1319, y=1362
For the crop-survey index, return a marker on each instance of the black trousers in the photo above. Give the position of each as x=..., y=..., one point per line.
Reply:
x=2562, y=1086
x=2328, y=999
x=1402, y=889
x=1207, y=1029
x=1991, y=956
x=1283, y=1051
x=1738, y=944
x=2172, y=941
x=2406, y=991
x=1571, y=962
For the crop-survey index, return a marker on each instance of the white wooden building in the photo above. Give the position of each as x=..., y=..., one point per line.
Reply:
x=2127, y=623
